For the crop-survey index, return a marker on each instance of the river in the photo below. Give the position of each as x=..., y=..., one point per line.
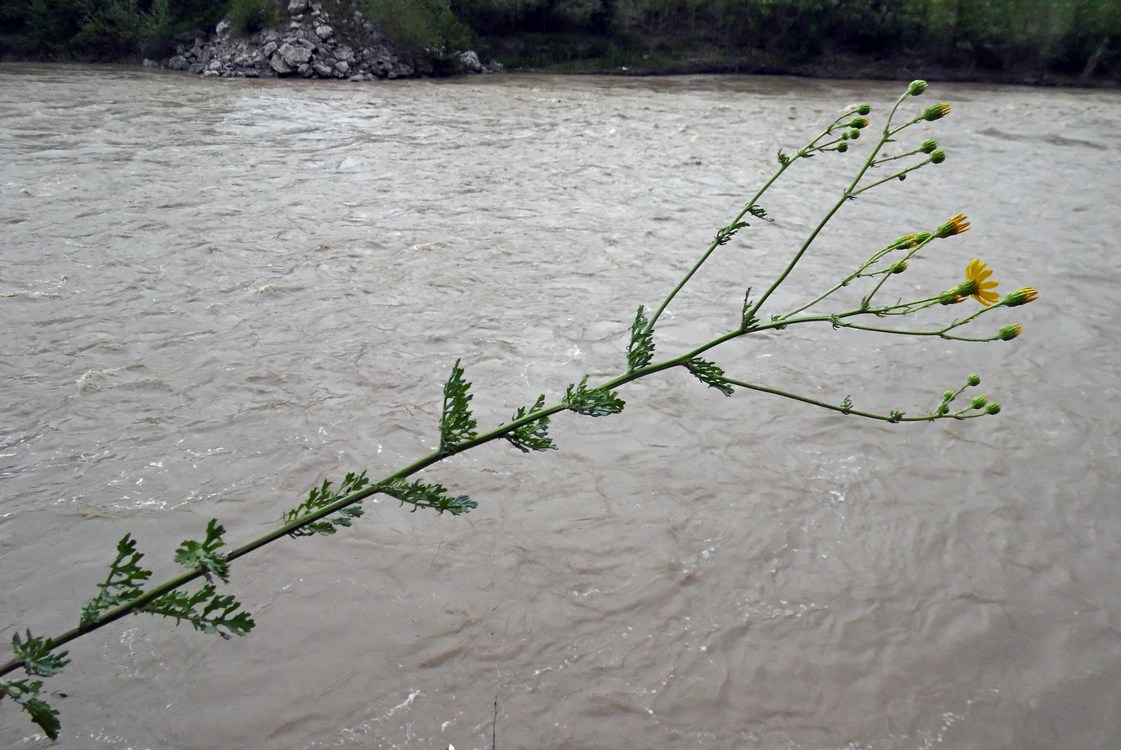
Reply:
x=217, y=293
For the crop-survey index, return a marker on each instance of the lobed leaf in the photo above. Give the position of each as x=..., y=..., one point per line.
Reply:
x=531, y=436
x=456, y=424
x=204, y=554
x=219, y=615
x=122, y=585
x=710, y=374
x=35, y=653
x=322, y=496
x=422, y=495
x=594, y=402
x=641, y=348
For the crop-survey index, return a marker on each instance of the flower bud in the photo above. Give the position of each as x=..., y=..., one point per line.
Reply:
x=842, y=147
x=928, y=146
x=863, y=109
x=956, y=225
x=854, y=134
x=974, y=380
x=951, y=297
x=859, y=123
x=1010, y=332
x=947, y=395
x=916, y=88
x=978, y=402
x=899, y=267
x=993, y=408
x=943, y=409
x=1021, y=296
x=936, y=111
x=937, y=156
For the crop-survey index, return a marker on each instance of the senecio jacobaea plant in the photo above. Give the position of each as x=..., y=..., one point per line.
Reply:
x=327, y=508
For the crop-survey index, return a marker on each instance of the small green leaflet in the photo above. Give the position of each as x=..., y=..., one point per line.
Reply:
x=846, y=404
x=123, y=583
x=759, y=212
x=204, y=555
x=641, y=348
x=217, y=616
x=747, y=317
x=26, y=694
x=434, y=496
x=322, y=496
x=594, y=402
x=531, y=436
x=709, y=374
x=457, y=426
x=724, y=234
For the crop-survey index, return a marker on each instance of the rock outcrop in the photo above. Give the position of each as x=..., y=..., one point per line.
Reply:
x=314, y=45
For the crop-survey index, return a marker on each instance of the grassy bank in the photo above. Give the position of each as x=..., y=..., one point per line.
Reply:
x=1065, y=41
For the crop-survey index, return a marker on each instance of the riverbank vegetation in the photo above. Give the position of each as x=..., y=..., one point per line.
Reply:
x=1074, y=41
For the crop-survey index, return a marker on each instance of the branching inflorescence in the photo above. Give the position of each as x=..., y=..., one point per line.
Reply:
x=327, y=509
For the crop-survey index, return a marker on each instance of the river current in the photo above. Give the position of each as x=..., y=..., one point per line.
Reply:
x=215, y=294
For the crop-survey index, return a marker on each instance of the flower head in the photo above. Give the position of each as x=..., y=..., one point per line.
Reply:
x=936, y=111
x=1021, y=296
x=977, y=283
x=1010, y=332
x=956, y=225
x=916, y=88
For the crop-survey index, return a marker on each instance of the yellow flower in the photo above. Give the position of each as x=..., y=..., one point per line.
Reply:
x=977, y=275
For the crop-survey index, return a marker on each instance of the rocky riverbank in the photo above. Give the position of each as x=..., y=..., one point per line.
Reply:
x=313, y=45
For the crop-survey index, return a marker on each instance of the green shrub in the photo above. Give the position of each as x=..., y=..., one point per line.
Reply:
x=250, y=16
x=418, y=28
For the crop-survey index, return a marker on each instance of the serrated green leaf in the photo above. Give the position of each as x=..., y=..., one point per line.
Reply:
x=422, y=495
x=457, y=426
x=35, y=653
x=747, y=317
x=122, y=585
x=594, y=402
x=322, y=496
x=42, y=714
x=724, y=234
x=759, y=213
x=641, y=348
x=206, y=610
x=26, y=694
x=710, y=374
x=531, y=436
x=204, y=555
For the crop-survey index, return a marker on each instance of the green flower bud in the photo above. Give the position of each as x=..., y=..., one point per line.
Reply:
x=937, y=156
x=978, y=402
x=974, y=380
x=854, y=134
x=864, y=109
x=936, y=111
x=951, y=297
x=947, y=395
x=899, y=267
x=1021, y=296
x=842, y=147
x=928, y=146
x=916, y=88
x=943, y=409
x=993, y=408
x=859, y=123
x=1010, y=332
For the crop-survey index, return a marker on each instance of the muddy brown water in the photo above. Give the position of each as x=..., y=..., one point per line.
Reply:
x=215, y=294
